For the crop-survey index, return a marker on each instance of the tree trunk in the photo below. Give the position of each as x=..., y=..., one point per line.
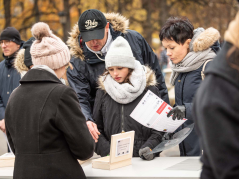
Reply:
x=164, y=12
x=7, y=12
x=147, y=25
x=67, y=25
x=36, y=11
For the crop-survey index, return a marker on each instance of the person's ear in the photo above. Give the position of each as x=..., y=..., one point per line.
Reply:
x=188, y=42
x=107, y=26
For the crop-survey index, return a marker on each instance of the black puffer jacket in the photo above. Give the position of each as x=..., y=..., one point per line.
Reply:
x=112, y=117
x=216, y=115
x=88, y=67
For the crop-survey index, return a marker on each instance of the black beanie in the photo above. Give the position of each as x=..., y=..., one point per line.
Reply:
x=10, y=33
x=27, y=56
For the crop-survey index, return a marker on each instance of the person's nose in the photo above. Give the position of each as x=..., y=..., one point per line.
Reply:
x=94, y=41
x=169, y=53
x=3, y=45
x=116, y=73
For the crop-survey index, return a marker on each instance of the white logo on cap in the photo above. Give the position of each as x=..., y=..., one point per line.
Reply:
x=90, y=24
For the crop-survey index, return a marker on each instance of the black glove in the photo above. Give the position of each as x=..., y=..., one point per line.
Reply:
x=167, y=136
x=143, y=155
x=178, y=112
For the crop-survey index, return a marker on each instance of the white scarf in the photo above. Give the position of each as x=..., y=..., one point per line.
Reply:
x=193, y=60
x=125, y=93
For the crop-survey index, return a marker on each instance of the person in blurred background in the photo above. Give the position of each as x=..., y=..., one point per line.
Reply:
x=45, y=127
x=216, y=110
x=188, y=49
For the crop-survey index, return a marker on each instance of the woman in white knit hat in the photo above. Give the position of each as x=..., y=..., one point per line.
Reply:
x=45, y=126
x=122, y=86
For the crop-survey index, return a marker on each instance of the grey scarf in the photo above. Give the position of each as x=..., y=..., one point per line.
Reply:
x=193, y=60
x=126, y=93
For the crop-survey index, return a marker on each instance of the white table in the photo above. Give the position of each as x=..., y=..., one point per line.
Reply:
x=140, y=169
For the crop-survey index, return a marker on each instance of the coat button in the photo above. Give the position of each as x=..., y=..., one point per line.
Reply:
x=7, y=92
x=179, y=81
x=8, y=75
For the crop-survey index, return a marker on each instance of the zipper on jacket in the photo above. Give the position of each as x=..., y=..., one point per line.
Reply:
x=122, y=118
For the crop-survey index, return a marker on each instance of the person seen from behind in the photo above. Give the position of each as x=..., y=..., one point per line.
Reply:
x=44, y=123
x=189, y=50
x=216, y=110
x=121, y=87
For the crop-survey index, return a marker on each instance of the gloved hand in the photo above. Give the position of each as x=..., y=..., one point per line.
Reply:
x=143, y=155
x=178, y=112
x=167, y=136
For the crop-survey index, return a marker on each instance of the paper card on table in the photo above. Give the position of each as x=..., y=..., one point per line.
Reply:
x=152, y=112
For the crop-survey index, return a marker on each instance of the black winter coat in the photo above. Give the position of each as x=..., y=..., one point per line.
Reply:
x=88, y=67
x=186, y=86
x=46, y=129
x=9, y=80
x=113, y=118
x=216, y=115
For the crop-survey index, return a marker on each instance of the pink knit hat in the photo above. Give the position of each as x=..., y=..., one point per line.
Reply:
x=48, y=49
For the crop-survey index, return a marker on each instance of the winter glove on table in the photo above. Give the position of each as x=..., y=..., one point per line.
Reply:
x=143, y=154
x=178, y=112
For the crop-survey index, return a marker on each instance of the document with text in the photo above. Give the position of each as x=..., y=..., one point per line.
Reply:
x=152, y=112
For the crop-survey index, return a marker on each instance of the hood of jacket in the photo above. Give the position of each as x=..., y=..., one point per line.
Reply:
x=204, y=39
x=150, y=79
x=19, y=61
x=118, y=23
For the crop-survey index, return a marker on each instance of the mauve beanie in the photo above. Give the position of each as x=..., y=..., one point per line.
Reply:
x=120, y=54
x=48, y=49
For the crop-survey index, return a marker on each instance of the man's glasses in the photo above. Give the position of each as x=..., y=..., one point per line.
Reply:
x=6, y=42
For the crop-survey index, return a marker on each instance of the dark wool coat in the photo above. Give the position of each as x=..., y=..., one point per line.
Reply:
x=112, y=117
x=9, y=80
x=87, y=66
x=46, y=129
x=216, y=116
x=186, y=86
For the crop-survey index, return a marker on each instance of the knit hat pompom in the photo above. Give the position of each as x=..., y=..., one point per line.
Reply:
x=40, y=30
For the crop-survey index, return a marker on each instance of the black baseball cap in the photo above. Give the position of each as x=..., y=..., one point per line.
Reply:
x=92, y=24
x=10, y=33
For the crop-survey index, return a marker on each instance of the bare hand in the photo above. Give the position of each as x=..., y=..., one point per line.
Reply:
x=2, y=126
x=93, y=130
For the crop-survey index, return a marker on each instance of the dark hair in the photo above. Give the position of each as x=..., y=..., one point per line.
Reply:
x=178, y=29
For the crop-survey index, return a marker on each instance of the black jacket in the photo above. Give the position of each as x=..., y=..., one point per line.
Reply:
x=46, y=129
x=186, y=86
x=216, y=115
x=9, y=80
x=113, y=118
x=87, y=66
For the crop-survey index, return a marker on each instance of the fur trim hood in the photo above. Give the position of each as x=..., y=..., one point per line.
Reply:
x=19, y=62
x=205, y=39
x=118, y=22
x=150, y=79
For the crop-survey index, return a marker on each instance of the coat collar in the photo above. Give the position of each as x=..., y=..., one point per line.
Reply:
x=38, y=75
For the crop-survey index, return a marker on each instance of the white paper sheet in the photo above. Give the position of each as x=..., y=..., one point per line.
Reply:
x=152, y=112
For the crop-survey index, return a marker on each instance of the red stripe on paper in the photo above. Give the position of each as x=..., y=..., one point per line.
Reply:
x=162, y=107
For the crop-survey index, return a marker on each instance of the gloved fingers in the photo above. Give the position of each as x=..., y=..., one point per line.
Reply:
x=149, y=156
x=144, y=150
x=170, y=112
x=174, y=116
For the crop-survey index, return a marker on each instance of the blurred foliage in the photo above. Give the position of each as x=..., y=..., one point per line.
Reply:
x=146, y=16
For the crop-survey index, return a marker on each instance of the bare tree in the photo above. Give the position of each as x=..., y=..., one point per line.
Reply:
x=7, y=10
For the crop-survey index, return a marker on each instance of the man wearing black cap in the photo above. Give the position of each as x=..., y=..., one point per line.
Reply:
x=11, y=42
x=90, y=41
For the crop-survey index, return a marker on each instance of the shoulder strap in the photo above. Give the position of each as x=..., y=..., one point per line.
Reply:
x=203, y=69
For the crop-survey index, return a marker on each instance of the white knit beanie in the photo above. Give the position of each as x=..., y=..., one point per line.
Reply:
x=120, y=54
x=48, y=49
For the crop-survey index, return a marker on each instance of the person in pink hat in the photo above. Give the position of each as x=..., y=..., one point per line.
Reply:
x=47, y=130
